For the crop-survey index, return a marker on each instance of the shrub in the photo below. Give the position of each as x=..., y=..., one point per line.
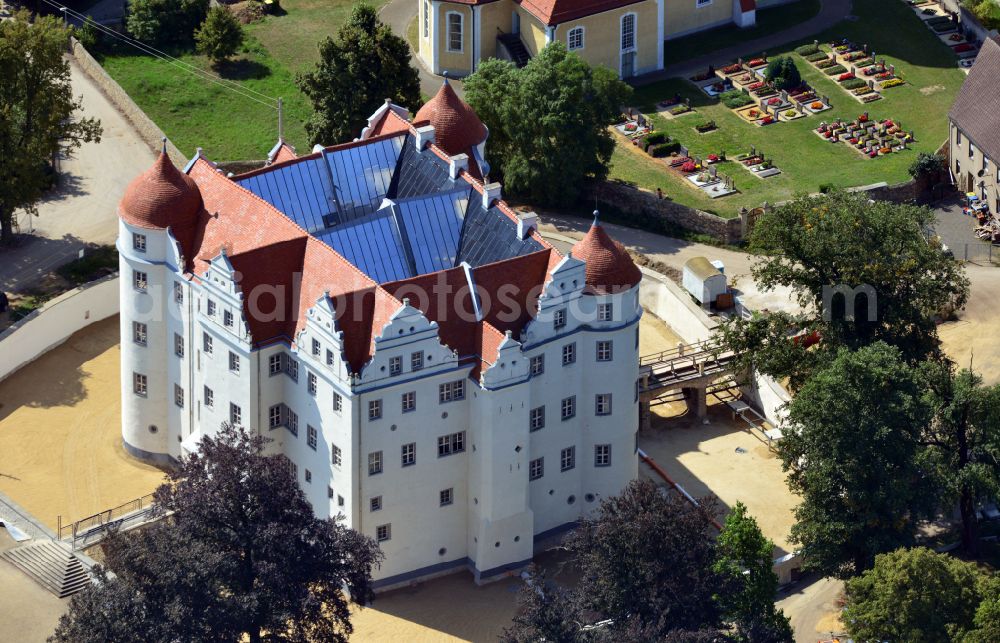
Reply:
x=825, y=188
x=818, y=56
x=783, y=73
x=664, y=149
x=988, y=14
x=853, y=83
x=657, y=138
x=680, y=109
x=88, y=34
x=220, y=36
x=707, y=126
x=926, y=166
x=735, y=99
x=806, y=50
x=836, y=69
x=158, y=22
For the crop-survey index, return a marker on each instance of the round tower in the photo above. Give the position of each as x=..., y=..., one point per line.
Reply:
x=457, y=128
x=160, y=206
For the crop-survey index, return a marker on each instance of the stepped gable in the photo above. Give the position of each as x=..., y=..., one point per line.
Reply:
x=610, y=269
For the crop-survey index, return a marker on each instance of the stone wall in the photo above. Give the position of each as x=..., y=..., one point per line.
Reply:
x=147, y=129
x=643, y=207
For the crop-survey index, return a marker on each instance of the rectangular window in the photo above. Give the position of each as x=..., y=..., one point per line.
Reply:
x=449, y=444
x=395, y=365
x=703, y=3
x=958, y=137
x=375, y=503
x=291, y=421
x=338, y=402
x=211, y=308
x=139, y=242
x=454, y=31
x=329, y=493
x=569, y=354
x=329, y=357
x=602, y=404
x=274, y=364
x=602, y=455
x=427, y=19
x=559, y=319
x=567, y=458
x=604, y=351
x=178, y=345
x=227, y=318
x=628, y=32
x=409, y=401
x=311, y=383
x=637, y=337
x=383, y=533
x=292, y=368
x=235, y=414
x=604, y=312
x=374, y=463
x=178, y=396
x=139, y=384
x=536, y=468
x=568, y=407
x=574, y=40
x=416, y=360
x=374, y=409
x=446, y=496
x=274, y=416
x=537, y=418
x=209, y=396
x=139, y=280
x=206, y=343
x=537, y=364
x=309, y=475
x=336, y=455
x=408, y=454
x=340, y=501
x=316, y=348
x=311, y=437
x=972, y=150
x=178, y=292
x=139, y=333
x=234, y=362
x=451, y=391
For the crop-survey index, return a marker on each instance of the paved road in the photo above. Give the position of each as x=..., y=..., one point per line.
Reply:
x=82, y=210
x=811, y=605
x=398, y=14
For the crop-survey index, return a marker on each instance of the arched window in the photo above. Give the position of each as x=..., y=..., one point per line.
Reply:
x=628, y=32
x=427, y=19
x=455, y=40
x=574, y=39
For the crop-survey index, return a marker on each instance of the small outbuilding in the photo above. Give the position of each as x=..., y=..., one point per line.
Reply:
x=703, y=280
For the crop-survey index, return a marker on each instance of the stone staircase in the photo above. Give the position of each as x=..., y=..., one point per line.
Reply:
x=515, y=47
x=52, y=565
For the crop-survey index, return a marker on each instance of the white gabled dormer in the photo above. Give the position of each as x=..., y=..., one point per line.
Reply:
x=322, y=333
x=407, y=334
x=559, y=303
x=222, y=287
x=510, y=367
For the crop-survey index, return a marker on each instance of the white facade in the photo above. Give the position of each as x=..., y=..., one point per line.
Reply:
x=448, y=471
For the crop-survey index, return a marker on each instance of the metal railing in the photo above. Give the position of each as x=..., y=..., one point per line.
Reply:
x=92, y=527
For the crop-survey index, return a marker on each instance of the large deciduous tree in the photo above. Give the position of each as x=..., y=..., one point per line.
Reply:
x=914, y=595
x=164, y=22
x=366, y=64
x=548, y=121
x=862, y=271
x=38, y=113
x=220, y=36
x=242, y=555
x=851, y=451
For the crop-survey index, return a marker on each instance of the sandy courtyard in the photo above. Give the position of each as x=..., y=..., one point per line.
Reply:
x=60, y=432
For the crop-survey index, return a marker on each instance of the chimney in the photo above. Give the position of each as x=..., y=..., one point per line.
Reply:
x=491, y=193
x=526, y=222
x=425, y=136
x=456, y=164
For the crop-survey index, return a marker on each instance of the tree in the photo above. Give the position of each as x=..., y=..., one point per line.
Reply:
x=548, y=122
x=783, y=73
x=963, y=440
x=927, y=166
x=546, y=613
x=851, y=452
x=366, y=64
x=913, y=595
x=40, y=114
x=164, y=22
x=220, y=36
x=745, y=560
x=647, y=557
x=241, y=555
x=861, y=272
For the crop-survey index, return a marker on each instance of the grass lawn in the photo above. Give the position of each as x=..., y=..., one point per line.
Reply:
x=807, y=162
x=769, y=21
x=198, y=113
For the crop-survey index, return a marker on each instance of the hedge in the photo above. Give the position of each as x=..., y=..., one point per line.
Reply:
x=853, y=83
x=656, y=138
x=835, y=70
x=818, y=56
x=735, y=99
x=806, y=50
x=664, y=149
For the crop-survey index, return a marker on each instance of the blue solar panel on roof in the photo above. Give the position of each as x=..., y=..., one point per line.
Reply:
x=298, y=190
x=362, y=174
x=433, y=226
x=373, y=244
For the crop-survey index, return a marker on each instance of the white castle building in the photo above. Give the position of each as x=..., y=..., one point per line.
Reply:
x=436, y=372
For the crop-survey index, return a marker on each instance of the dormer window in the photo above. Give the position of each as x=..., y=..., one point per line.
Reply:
x=559, y=319
x=395, y=365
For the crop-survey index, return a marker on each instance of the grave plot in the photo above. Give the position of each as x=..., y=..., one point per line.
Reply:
x=635, y=125
x=868, y=137
x=758, y=164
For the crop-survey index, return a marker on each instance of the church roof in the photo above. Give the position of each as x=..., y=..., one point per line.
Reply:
x=553, y=12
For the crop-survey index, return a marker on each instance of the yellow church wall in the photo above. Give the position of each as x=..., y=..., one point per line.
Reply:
x=493, y=15
x=602, y=37
x=454, y=62
x=424, y=42
x=684, y=16
x=532, y=32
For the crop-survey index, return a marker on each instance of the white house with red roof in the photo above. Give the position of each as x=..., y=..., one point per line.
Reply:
x=627, y=36
x=434, y=371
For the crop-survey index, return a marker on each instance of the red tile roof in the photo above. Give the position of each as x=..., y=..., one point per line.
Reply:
x=390, y=123
x=748, y=5
x=285, y=153
x=161, y=196
x=553, y=12
x=457, y=128
x=610, y=269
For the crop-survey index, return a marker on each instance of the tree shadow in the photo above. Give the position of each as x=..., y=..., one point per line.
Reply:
x=242, y=69
x=24, y=265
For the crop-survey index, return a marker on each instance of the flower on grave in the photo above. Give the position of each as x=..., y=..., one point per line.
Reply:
x=630, y=127
x=847, y=76
x=873, y=154
x=757, y=62
x=854, y=141
x=828, y=134
x=817, y=105
x=713, y=158
x=774, y=101
x=962, y=48
x=956, y=37
x=731, y=69
x=689, y=167
x=767, y=120
x=863, y=118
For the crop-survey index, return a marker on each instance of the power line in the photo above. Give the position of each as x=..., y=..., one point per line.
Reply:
x=245, y=92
